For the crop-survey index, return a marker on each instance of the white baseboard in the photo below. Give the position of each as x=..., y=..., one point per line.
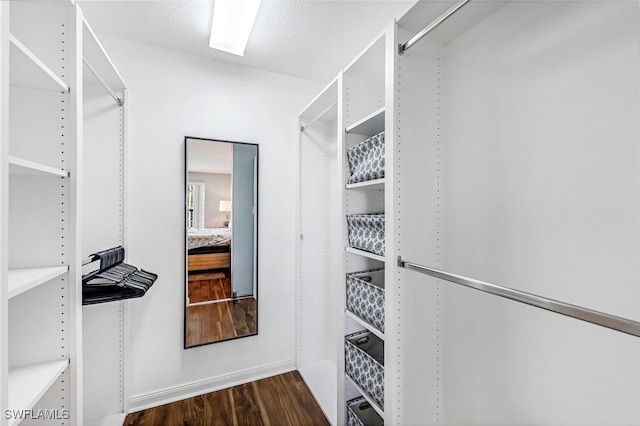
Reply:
x=188, y=390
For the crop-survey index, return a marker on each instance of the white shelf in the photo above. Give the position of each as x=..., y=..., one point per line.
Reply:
x=364, y=253
x=21, y=280
x=365, y=324
x=370, y=125
x=365, y=395
x=375, y=184
x=20, y=166
x=322, y=102
x=110, y=420
x=28, y=70
x=322, y=380
x=94, y=54
x=28, y=384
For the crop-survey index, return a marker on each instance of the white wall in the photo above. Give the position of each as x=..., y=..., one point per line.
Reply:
x=217, y=187
x=173, y=95
x=542, y=182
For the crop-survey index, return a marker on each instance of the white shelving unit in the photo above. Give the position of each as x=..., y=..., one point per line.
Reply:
x=41, y=218
x=104, y=326
x=317, y=352
x=39, y=155
x=501, y=164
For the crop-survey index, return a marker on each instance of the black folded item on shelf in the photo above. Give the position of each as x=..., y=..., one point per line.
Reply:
x=114, y=280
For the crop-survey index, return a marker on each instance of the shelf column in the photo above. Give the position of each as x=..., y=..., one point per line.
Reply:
x=4, y=203
x=393, y=327
x=75, y=195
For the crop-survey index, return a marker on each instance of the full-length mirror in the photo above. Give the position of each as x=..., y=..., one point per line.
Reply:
x=221, y=222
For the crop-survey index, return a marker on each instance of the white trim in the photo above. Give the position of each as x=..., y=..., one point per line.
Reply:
x=188, y=390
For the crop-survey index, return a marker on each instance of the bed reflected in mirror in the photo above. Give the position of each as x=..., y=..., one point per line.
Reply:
x=221, y=211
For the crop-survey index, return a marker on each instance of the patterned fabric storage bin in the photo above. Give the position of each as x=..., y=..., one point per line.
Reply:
x=364, y=361
x=366, y=160
x=361, y=413
x=366, y=232
x=365, y=296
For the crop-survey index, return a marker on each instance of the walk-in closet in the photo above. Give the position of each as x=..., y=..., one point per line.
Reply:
x=346, y=213
x=59, y=121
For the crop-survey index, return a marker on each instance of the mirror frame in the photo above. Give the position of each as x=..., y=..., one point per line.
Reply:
x=186, y=249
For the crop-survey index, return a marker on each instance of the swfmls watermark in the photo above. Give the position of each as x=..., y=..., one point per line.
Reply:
x=39, y=414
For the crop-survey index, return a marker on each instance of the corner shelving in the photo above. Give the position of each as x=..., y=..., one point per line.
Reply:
x=29, y=383
x=21, y=280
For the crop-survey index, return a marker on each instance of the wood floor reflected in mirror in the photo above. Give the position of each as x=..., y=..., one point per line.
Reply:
x=213, y=314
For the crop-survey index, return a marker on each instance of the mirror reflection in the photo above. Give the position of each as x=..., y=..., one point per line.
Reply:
x=221, y=193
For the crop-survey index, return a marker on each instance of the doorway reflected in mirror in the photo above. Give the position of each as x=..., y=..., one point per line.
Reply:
x=221, y=211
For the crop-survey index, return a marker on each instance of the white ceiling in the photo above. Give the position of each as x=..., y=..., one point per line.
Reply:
x=205, y=156
x=310, y=39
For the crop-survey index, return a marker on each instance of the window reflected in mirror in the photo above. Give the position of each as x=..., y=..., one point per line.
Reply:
x=221, y=198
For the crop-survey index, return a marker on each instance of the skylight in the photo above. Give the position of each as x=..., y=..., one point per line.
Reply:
x=232, y=24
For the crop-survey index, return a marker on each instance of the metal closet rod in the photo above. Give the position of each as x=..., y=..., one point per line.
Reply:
x=103, y=83
x=594, y=317
x=433, y=25
x=318, y=117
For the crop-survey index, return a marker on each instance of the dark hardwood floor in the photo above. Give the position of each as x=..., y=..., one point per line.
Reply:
x=210, y=286
x=220, y=320
x=283, y=400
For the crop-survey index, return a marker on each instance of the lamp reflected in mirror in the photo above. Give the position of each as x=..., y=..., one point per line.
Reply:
x=225, y=206
x=221, y=282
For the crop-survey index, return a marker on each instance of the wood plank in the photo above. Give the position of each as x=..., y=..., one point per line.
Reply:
x=221, y=320
x=201, y=262
x=282, y=400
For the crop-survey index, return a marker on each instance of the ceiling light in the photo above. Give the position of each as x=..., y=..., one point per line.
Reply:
x=232, y=24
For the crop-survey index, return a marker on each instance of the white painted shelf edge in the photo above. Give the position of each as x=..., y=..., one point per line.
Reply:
x=38, y=63
x=322, y=379
x=365, y=395
x=27, y=384
x=375, y=184
x=365, y=324
x=364, y=253
x=97, y=56
x=20, y=166
x=23, y=279
x=370, y=125
x=110, y=420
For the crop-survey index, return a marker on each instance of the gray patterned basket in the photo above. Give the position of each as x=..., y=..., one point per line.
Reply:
x=361, y=413
x=365, y=296
x=366, y=232
x=366, y=160
x=364, y=363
